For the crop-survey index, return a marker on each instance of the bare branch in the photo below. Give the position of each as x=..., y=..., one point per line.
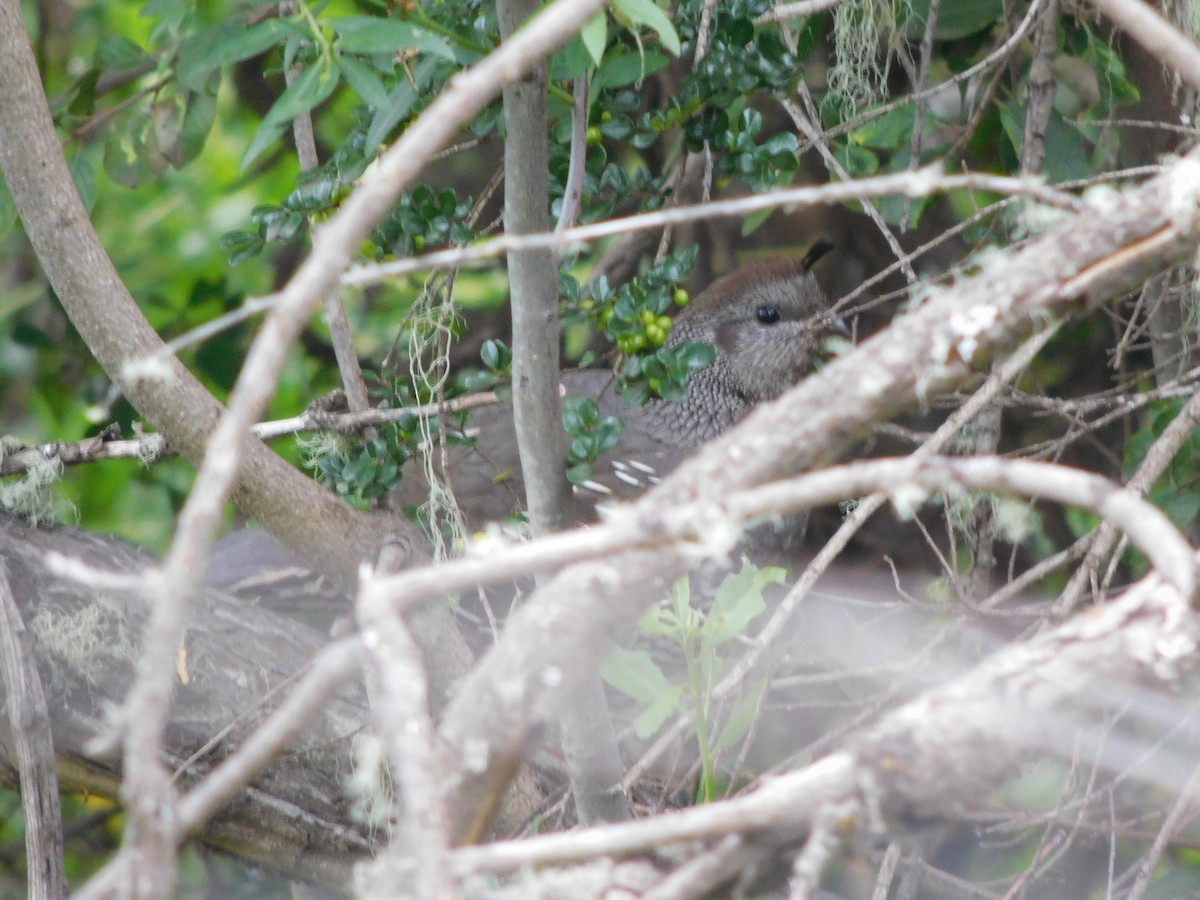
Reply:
x=920, y=183
x=402, y=714
x=29, y=721
x=1160, y=38
x=923, y=353
x=948, y=748
x=147, y=792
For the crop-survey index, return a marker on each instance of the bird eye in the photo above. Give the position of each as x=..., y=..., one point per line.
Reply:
x=767, y=315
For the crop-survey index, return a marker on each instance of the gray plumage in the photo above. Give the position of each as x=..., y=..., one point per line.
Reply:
x=767, y=322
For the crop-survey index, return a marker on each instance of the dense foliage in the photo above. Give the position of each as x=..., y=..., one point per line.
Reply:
x=177, y=119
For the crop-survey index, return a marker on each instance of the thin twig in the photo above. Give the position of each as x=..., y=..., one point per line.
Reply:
x=795, y=10
x=147, y=789
x=29, y=721
x=923, y=182
x=401, y=712
x=1160, y=38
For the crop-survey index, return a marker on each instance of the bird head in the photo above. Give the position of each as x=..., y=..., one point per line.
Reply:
x=767, y=322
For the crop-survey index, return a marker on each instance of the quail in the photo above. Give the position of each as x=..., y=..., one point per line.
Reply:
x=767, y=323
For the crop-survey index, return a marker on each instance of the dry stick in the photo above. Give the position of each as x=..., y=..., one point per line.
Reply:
x=996, y=56
x=568, y=213
x=790, y=798
x=1159, y=37
x=809, y=128
x=984, y=433
x=586, y=732
x=29, y=720
x=923, y=759
x=326, y=674
x=1179, y=809
x=824, y=839
x=335, y=310
x=923, y=182
x=152, y=447
x=1157, y=458
x=322, y=680
x=971, y=221
x=909, y=480
x=148, y=791
x=679, y=177
x=707, y=871
x=1039, y=94
x=401, y=711
x=887, y=871
x=795, y=10
x=863, y=510
x=915, y=143
x=925, y=353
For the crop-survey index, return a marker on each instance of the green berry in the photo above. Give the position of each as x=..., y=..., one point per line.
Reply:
x=681, y=297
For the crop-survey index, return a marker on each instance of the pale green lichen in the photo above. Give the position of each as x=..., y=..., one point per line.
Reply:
x=433, y=319
x=151, y=448
x=320, y=445
x=370, y=784
x=1034, y=219
x=1015, y=520
x=864, y=33
x=1183, y=194
x=30, y=496
x=84, y=644
x=907, y=499
x=153, y=369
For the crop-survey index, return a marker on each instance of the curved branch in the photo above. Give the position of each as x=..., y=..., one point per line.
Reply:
x=302, y=513
x=932, y=349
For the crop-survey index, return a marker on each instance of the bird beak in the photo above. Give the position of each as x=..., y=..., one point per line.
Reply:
x=837, y=327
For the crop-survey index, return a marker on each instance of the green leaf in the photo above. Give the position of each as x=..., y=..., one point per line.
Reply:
x=646, y=13
x=955, y=20
x=741, y=719
x=84, y=176
x=371, y=34
x=739, y=601
x=267, y=134
x=123, y=158
x=226, y=43
x=608, y=433
x=579, y=415
x=399, y=105
x=889, y=131
x=752, y=222
x=579, y=473
x=364, y=80
x=595, y=36
x=657, y=713
x=635, y=674
x=1066, y=155
x=314, y=85
x=8, y=210
x=627, y=68
x=858, y=161
x=197, y=122
x=120, y=54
